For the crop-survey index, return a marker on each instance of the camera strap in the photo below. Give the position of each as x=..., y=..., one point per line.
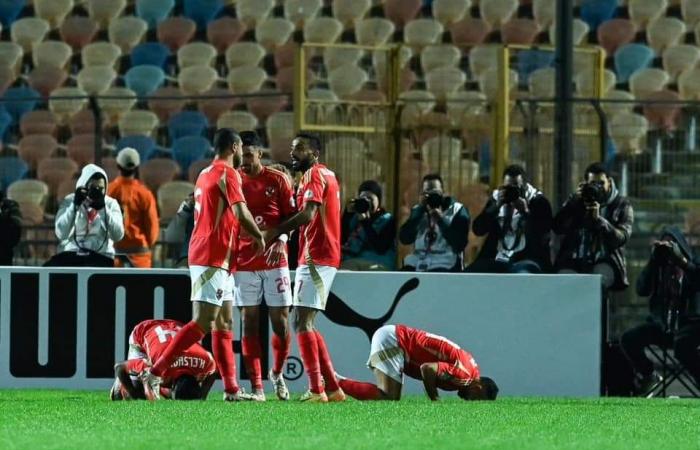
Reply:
x=88, y=224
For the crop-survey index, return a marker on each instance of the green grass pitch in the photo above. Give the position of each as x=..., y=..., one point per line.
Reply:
x=36, y=419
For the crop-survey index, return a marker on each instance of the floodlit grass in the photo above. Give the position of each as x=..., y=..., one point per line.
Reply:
x=39, y=419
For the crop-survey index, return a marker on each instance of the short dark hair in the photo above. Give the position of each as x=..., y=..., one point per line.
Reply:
x=371, y=186
x=127, y=172
x=515, y=170
x=596, y=169
x=224, y=139
x=433, y=177
x=490, y=388
x=313, y=140
x=187, y=387
x=250, y=138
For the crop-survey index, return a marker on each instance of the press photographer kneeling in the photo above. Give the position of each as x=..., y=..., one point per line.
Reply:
x=88, y=223
x=670, y=281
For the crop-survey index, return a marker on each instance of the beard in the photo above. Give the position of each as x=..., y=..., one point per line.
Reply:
x=301, y=165
x=237, y=161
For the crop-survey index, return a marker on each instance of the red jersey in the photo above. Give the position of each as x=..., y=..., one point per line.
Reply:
x=214, y=241
x=269, y=197
x=153, y=336
x=319, y=240
x=456, y=367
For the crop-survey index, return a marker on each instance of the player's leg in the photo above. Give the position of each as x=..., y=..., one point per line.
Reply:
x=250, y=347
x=222, y=346
x=386, y=388
x=308, y=349
x=281, y=344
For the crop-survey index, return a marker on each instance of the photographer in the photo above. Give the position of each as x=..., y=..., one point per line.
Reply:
x=10, y=229
x=437, y=228
x=518, y=221
x=595, y=224
x=88, y=223
x=669, y=281
x=368, y=231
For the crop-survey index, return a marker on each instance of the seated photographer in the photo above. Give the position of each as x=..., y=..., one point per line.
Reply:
x=438, y=229
x=88, y=223
x=518, y=221
x=595, y=224
x=669, y=281
x=10, y=229
x=368, y=231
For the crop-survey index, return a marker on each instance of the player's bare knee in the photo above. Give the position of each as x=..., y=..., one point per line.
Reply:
x=279, y=321
x=250, y=325
x=222, y=324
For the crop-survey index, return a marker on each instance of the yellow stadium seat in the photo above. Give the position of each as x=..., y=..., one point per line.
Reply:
x=11, y=55
x=689, y=84
x=441, y=55
x=127, y=32
x=482, y=58
x=246, y=79
x=29, y=191
x=490, y=86
x=335, y=57
x=253, y=11
x=273, y=32
x=244, y=54
x=544, y=12
x=53, y=11
x=122, y=100
x=103, y=11
x=581, y=30
x=238, y=120
x=70, y=100
x=138, y=122
x=349, y=12
x=645, y=81
x=300, y=12
x=100, y=54
x=96, y=79
x=497, y=12
x=374, y=31
x=196, y=54
x=52, y=53
x=541, y=83
x=322, y=30
x=665, y=32
x=627, y=130
x=585, y=83
x=196, y=80
x=449, y=11
x=347, y=80
x=678, y=58
x=321, y=112
x=415, y=104
x=29, y=31
x=444, y=80
x=419, y=33
x=643, y=12
x=613, y=108
x=170, y=196
x=690, y=10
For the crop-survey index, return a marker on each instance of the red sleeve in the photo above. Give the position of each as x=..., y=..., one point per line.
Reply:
x=452, y=376
x=286, y=193
x=136, y=366
x=232, y=187
x=139, y=334
x=313, y=190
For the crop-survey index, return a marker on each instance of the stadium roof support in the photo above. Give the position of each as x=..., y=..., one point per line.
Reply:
x=563, y=125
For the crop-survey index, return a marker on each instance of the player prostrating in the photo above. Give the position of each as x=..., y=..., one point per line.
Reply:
x=189, y=377
x=219, y=212
x=270, y=198
x=440, y=363
x=318, y=220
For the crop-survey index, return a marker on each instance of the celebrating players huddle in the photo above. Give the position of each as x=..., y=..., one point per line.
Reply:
x=229, y=267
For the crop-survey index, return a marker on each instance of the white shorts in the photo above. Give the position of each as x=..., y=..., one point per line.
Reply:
x=385, y=355
x=211, y=285
x=273, y=284
x=312, y=284
x=135, y=351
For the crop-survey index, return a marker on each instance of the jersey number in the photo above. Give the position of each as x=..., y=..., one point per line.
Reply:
x=163, y=335
x=282, y=284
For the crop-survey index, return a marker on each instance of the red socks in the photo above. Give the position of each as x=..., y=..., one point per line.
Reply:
x=188, y=335
x=326, y=364
x=222, y=345
x=308, y=348
x=280, y=352
x=251, y=355
x=359, y=390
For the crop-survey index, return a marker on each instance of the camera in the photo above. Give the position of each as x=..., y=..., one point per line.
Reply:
x=361, y=205
x=433, y=199
x=96, y=196
x=511, y=193
x=593, y=192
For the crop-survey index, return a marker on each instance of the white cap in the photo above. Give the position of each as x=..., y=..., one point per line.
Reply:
x=128, y=158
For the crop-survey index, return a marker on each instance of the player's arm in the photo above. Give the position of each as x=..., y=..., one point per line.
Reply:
x=429, y=373
x=303, y=217
x=240, y=209
x=207, y=383
x=121, y=371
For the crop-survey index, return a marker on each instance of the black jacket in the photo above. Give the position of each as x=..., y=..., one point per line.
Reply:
x=456, y=233
x=10, y=230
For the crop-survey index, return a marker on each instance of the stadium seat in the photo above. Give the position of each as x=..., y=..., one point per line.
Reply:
x=176, y=32
x=12, y=169
x=440, y=153
x=273, y=32
x=216, y=102
x=250, y=12
x=335, y=57
x=5, y=122
x=646, y=81
x=444, y=81
x=630, y=58
x=54, y=171
x=519, y=31
x=29, y=191
x=489, y=83
x=127, y=32
x=280, y=132
x=144, y=145
x=244, y=54
x=665, y=32
x=678, y=58
x=246, y=79
x=225, y=31
x=581, y=30
x=19, y=101
x=103, y=11
x=96, y=79
x=267, y=104
x=100, y=54
x=154, y=11
x=202, y=11
x=611, y=108
x=615, y=33
x=53, y=11
x=544, y=12
x=35, y=148
x=347, y=80
x=350, y=12
x=144, y=79
x=150, y=53
x=415, y=104
x=65, y=102
x=116, y=101
x=595, y=12
x=374, y=31
x=663, y=115
x=497, y=12
x=189, y=149
x=322, y=30
x=301, y=12
x=195, y=168
x=532, y=60
x=158, y=171
x=585, y=83
x=170, y=195
x=29, y=31
x=44, y=79
x=196, y=54
x=238, y=120
x=482, y=58
x=541, y=83
x=443, y=55
x=449, y=11
x=81, y=149
x=643, y=12
x=400, y=12
x=11, y=55
x=422, y=32
x=689, y=84
x=78, y=31
x=109, y=164
x=10, y=11
x=690, y=10
x=52, y=53
x=38, y=122
x=82, y=122
x=196, y=80
x=165, y=108
x=626, y=131
x=138, y=122
x=464, y=106
x=7, y=78
x=187, y=123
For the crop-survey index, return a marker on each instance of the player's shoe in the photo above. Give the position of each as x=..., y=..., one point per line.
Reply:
x=311, y=397
x=151, y=385
x=258, y=396
x=336, y=396
x=240, y=396
x=280, y=386
x=115, y=393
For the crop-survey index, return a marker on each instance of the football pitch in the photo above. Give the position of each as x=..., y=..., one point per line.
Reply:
x=41, y=419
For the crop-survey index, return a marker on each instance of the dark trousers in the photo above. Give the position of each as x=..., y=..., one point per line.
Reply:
x=685, y=346
x=493, y=266
x=72, y=259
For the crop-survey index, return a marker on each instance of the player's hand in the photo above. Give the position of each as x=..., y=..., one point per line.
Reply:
x=275, y=253
x=521, y=205
x=269, y=235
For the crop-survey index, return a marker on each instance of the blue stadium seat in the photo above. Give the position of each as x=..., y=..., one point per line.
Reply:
x=154, y=11
x=150, y=54
x=144, y=79
x=142, y=144
x=189, y=149
x=631, y=58
x=10, y=11
x=23, y=99
x=202, y=11
x=595, y=12
x=5, y=122
x=531, y=60
x=12, y=169
x=187, y=123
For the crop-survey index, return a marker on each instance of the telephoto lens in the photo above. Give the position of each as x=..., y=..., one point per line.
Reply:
x=593, y=192
x=362, y=205
x=434, y=200
x=511, y=193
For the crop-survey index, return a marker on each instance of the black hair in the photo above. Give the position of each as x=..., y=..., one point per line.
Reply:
x=187, y=387
x=127, y=172
x=432, y=177
x=490, y=388
x=596, y=169
x=371, y=186
x=515, y=170
x=250, y=138
x=224, y=139
x=313, y=140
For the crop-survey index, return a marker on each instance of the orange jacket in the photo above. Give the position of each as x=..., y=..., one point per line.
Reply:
x=140, y=212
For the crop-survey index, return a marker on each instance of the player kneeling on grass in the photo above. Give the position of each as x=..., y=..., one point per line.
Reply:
x=438, y=362
x=189, y=377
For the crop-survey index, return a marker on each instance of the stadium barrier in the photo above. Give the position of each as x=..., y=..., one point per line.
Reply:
x=536, y=335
